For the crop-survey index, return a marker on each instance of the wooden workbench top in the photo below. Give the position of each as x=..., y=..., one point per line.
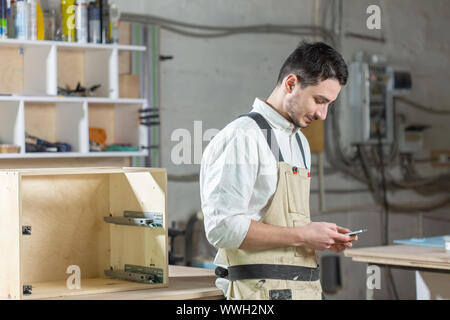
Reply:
x=403, y=255
x=185, y=283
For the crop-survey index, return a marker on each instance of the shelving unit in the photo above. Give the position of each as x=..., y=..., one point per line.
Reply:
x=30, y=74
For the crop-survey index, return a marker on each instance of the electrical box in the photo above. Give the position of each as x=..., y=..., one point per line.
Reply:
x=370, y=102
x=371, y=87
x=410, y=138
x=74, y=231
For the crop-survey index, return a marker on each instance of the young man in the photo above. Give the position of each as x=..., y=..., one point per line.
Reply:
x=254, y=185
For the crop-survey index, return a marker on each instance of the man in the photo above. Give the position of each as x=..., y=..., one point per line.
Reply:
x=254, y=185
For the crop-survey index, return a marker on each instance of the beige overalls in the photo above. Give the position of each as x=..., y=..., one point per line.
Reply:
x=285, y=273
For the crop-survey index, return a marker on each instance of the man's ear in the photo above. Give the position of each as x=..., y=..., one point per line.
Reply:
x=290, y=82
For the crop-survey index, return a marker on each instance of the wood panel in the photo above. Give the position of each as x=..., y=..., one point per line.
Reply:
x=138, y=191
x=189, y=272
x=40, y=120
x=315, y=135
x=403, y=255
x=65, y=162
x=58, y=289
x=70, y=68
x=129, y=86
x=186, y=283
x=125, y=33
x=10, y=280
x=11, y=70
x=66, y=215
x=103, y=116
x=124, y=55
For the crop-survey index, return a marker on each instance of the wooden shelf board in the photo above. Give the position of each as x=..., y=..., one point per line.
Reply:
x=96, y=170
x=36, y=155
x=55, y=289
x=402, y=255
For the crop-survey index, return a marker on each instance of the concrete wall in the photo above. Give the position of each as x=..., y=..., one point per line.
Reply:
x=215, y=80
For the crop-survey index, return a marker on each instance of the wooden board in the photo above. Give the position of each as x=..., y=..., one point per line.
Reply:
x=11, y=70
x=189, y=272
x=40, y=120
x=125, y=33
x=124, y=55
x=78, y=171
x=184, y=283
x=66, y=214
x=64, y=162
x=70, y=68
x=138, y=191
x=10, y=236
x=129, y=86
x=103, y=116
x=402, y=255
x=315, y=135
x=58, y=289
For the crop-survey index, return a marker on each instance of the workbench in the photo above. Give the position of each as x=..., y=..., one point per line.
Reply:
x=432, y=266
x=185, y=283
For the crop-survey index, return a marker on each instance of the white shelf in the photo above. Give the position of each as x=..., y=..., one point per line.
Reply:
x=68, y=45
x=61, y=99
x=37, y=155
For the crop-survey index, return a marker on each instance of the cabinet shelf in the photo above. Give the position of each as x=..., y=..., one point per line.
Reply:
x=61, y=99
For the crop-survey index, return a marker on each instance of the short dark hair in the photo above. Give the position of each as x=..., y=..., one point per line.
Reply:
x=314, y=62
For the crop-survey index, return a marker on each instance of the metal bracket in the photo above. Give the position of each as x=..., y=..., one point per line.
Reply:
x=137, y=274
x=139, y=219
x=26, y=230
x=27, y=289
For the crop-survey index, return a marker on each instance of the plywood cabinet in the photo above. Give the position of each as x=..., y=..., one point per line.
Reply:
x=51, y=219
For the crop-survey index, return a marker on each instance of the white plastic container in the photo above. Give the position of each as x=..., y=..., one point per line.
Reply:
x=21, y=20
x=32, y=20
x=81, y=21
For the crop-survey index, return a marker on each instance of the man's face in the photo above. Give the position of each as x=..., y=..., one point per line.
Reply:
x=304, y=105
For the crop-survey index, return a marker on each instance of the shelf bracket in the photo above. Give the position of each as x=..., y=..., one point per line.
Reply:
x=27, y=289
x=137, y=274
x=26, y=230
x=138, y=219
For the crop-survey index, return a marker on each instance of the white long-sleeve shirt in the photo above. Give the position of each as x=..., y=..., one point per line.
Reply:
x=238, y=174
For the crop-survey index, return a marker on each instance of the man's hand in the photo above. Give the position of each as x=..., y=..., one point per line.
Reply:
x=338, y=247
x=324, y=235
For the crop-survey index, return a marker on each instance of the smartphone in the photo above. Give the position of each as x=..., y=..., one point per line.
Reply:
x=355, y=232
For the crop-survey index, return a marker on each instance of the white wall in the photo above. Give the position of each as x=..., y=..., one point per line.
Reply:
x=215, y=80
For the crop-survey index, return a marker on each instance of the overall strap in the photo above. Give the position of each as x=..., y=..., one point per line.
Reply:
x=299, y=141
x=267, y=129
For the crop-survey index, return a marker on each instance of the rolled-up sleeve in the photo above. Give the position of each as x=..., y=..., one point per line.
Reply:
x=227, y=177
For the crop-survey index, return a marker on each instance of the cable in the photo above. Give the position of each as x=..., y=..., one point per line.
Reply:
x=223, y=31
x=422, y=107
